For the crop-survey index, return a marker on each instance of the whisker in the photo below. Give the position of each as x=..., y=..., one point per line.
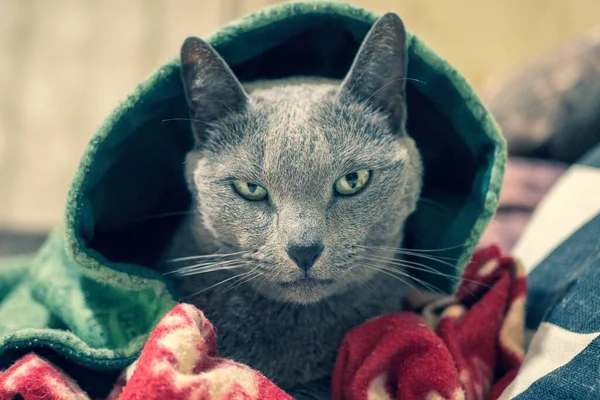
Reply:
x=208, y=264
x=168, y=214
x=244, y=280
x=435, y=272
x=414, y=250
x=185, y=119
x=423, y=283
x=435, y=203
x=207, y=256
x=215, y=263
x=364, y=283
x=208, y=269
x=412, y=253
x=439, y=259
x=217, y=284
x=391, y=83
x=416, y=80
x=260, y=285
x=364, y=71
x=433, y=258
x=389, y=274
x=330, y=303
x=425, y=268
x=287, y=305
x=245, y=125
x=401, y=262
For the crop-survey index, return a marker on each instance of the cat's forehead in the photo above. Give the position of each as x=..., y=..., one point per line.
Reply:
x=306, y=127
x=301, y=136
x=296, y=153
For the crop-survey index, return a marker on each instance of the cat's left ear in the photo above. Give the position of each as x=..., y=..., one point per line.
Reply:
x=211, y=88
x=378, y=74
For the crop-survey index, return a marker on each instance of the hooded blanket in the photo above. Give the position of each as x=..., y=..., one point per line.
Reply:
x=89, y=298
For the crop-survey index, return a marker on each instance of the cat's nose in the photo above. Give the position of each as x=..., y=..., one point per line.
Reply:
x=305, y=256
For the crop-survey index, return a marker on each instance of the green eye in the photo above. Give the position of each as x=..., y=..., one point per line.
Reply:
x=249, y=191
x=353, y=182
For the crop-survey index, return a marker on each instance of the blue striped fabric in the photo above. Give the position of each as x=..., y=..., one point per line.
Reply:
x=561, y=251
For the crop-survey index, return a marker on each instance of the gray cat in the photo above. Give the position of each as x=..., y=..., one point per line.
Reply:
x=302, y=187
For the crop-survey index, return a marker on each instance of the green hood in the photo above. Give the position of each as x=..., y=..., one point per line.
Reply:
x=89, y=298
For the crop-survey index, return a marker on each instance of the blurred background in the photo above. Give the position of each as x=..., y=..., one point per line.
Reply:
x=65, y=64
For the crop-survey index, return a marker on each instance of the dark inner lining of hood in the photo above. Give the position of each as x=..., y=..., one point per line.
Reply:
x=145, y=177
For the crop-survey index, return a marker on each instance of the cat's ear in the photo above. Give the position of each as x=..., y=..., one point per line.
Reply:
x=378, y=74
x=211, y=89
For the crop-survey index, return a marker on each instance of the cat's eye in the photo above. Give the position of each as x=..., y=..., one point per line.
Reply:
x=353, y=182
x=250, y=191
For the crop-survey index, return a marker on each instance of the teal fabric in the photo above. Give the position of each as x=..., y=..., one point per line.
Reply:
x=90, y=295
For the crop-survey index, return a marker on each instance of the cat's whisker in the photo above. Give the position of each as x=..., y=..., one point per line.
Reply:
x=286, y=306
x=415, y=250
x=401, y=262
x=205, y=269
x=415, y=266
x=164, y=215
x=244, y=280
x=416, y=80
x=185, y=119
x=391, y=83
x=428, y=257
x=230, y=109
x=431, y=270
x=260, y=285
x=329, y=303
x=440, y=259
x=216, y=263
x=243, y=274
x=423, y=268
x=435, y=203
x=368, y=68
x=398, y=250
x=380, y=269
x=363, y=282
x=399, y=275
x=209, y=265
x=473, y=294
x=425, y=284
x=208, y=256
x=362, y=73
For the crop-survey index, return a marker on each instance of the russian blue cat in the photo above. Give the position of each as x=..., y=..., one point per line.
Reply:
x=301, y=190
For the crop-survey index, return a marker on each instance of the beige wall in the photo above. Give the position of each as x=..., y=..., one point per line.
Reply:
x=64, y=64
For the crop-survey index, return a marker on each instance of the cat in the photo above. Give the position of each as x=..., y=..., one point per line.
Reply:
x=301, y=190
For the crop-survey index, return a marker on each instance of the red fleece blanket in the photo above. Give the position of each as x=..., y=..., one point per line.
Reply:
x=468, y=346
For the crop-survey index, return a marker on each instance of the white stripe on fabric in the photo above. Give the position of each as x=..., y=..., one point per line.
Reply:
x=551, y=348
x=573, y=201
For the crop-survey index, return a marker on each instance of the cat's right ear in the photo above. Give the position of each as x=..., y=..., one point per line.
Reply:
x=211, y=89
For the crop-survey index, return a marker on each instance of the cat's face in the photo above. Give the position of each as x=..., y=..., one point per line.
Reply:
x=305, y=176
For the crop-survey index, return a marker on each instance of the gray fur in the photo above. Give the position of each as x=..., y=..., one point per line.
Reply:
x=296, y=137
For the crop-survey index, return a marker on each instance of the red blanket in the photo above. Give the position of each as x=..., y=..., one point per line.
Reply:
x=468, y=346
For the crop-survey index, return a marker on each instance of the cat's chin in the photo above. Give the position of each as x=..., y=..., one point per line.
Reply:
x=300, y=291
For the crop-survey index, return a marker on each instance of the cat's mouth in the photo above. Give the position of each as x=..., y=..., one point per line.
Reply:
x=306, y=281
